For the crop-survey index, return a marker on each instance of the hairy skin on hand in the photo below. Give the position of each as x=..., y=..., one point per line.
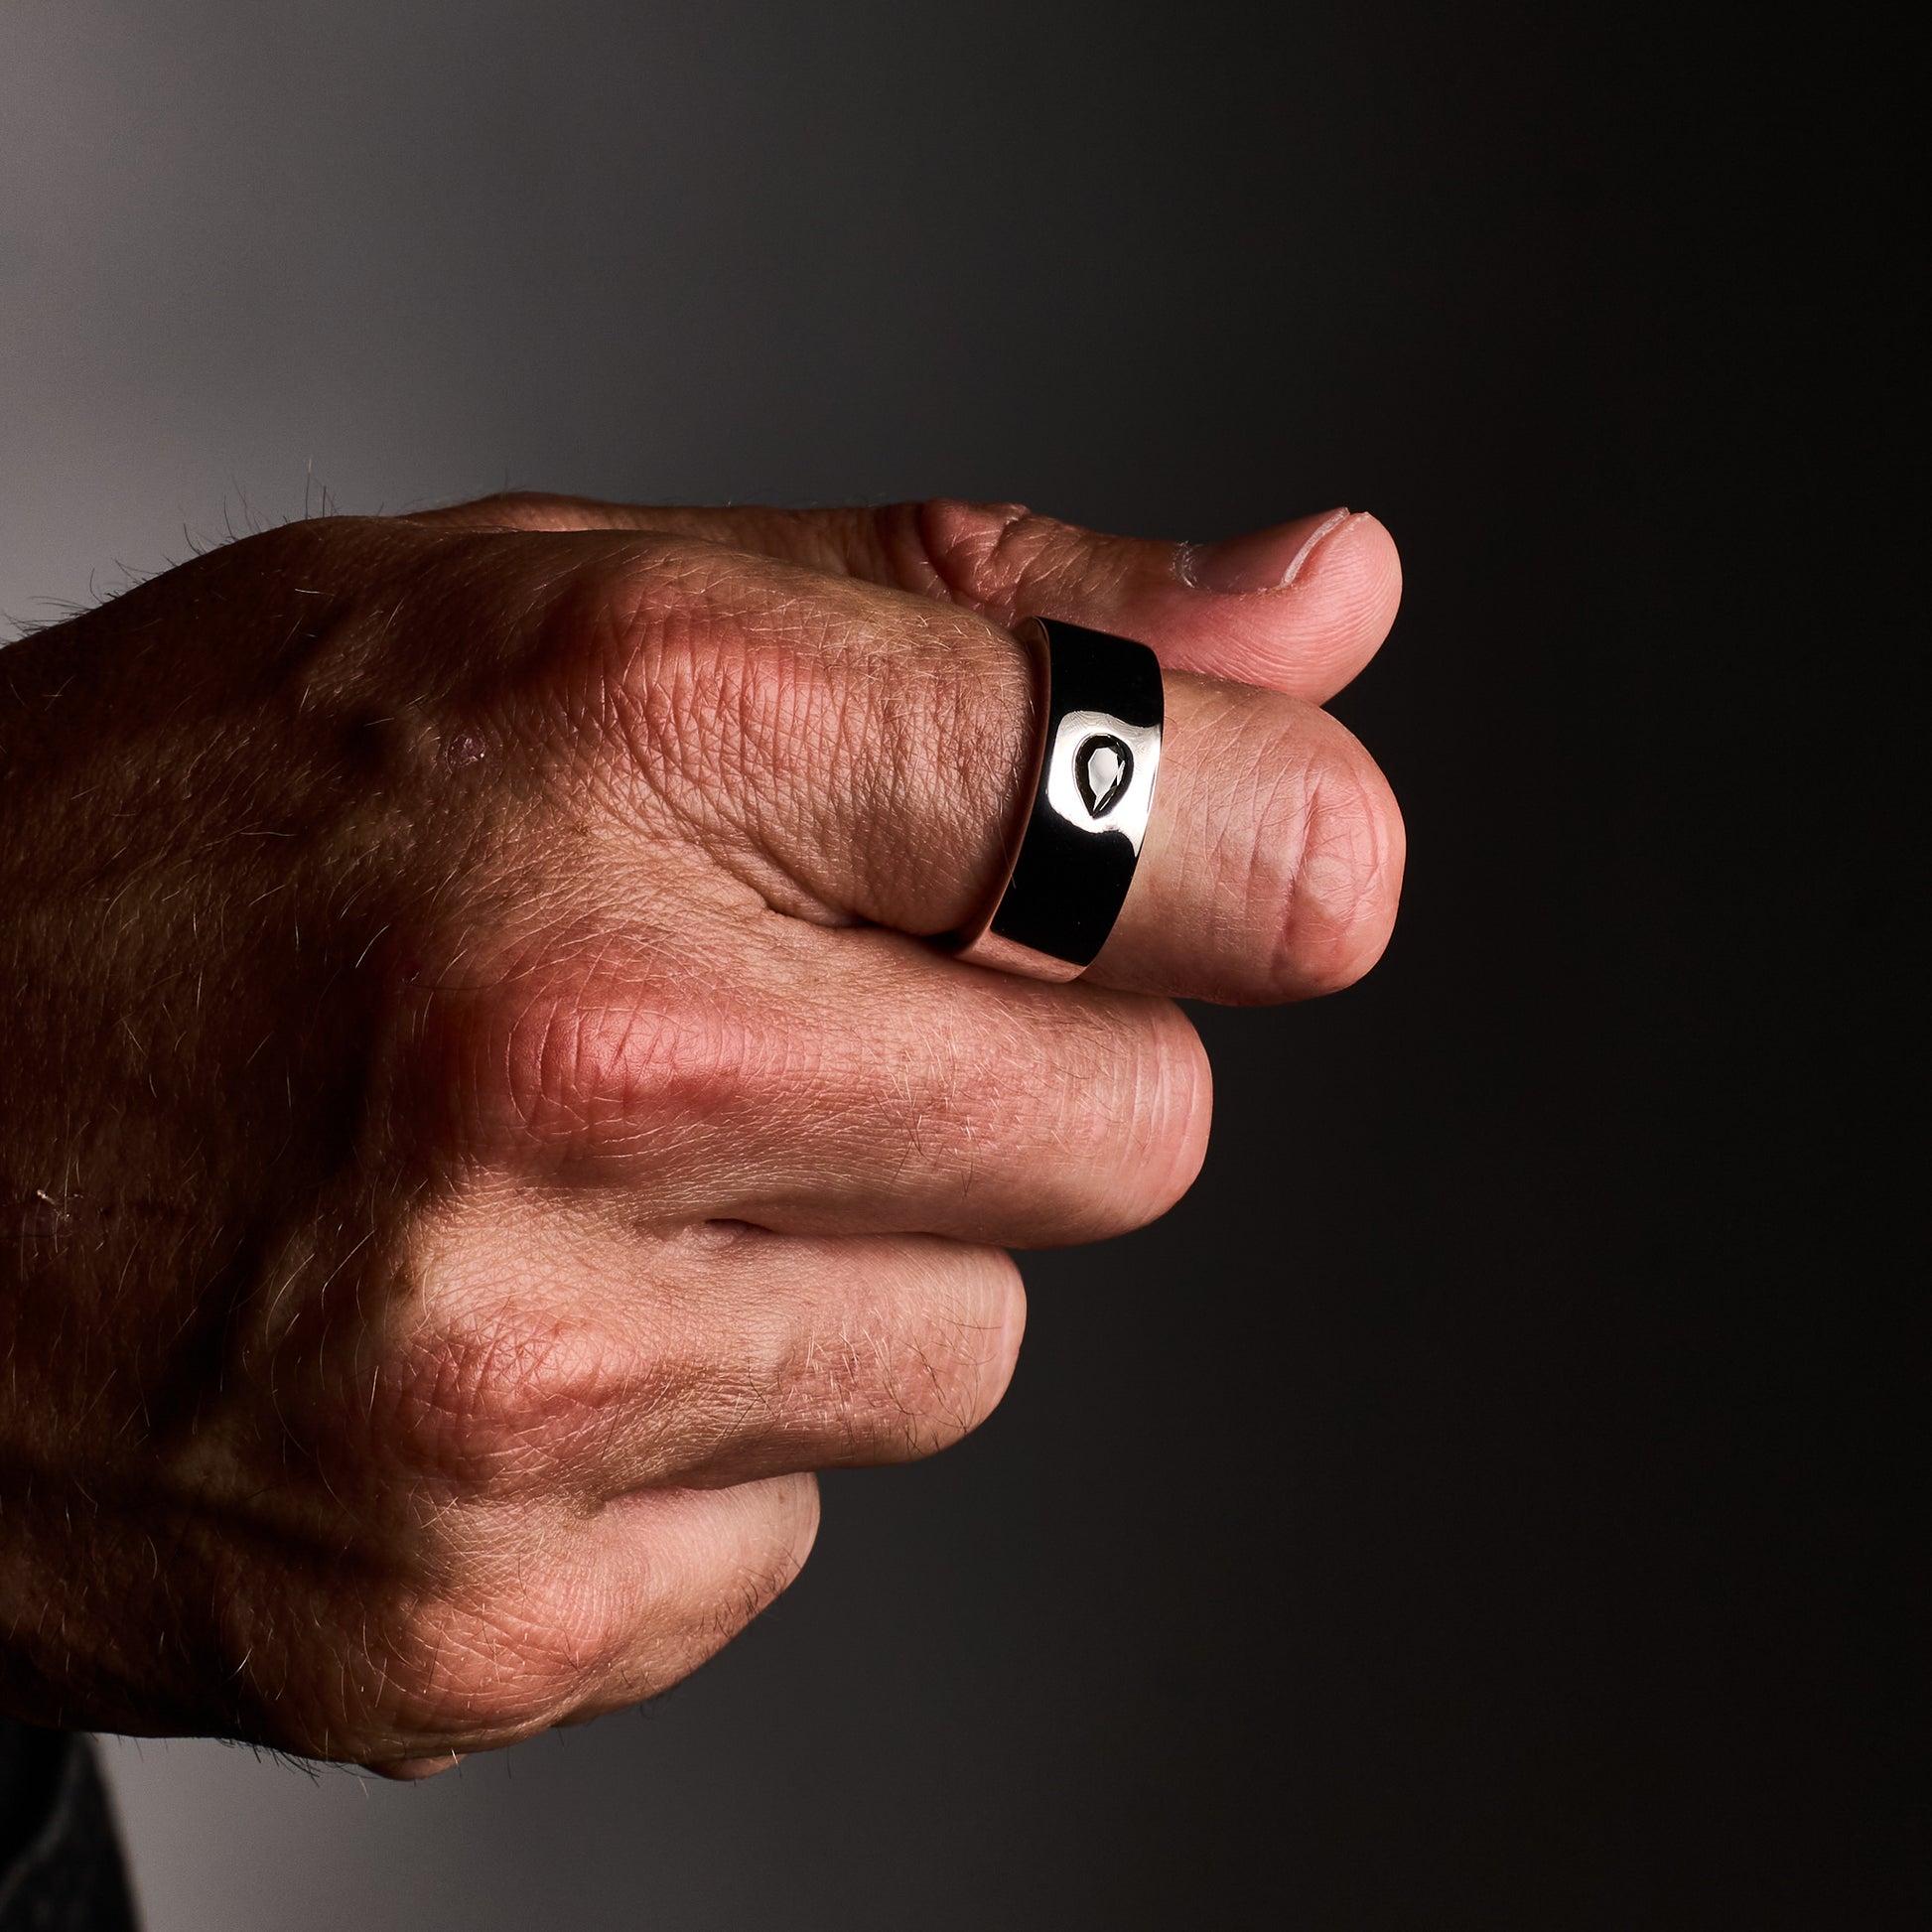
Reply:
x=475, y=1132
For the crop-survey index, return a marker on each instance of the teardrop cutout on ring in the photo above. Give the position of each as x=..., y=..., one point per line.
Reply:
x=1103, y=769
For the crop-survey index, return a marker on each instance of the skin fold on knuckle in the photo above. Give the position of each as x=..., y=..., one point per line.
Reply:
x=660, y=1583
x=492, y=1656
x=701, y=1399
x=498, y=1400
x=529, y=1383
x=561, y=1617
x=557, y=1353
x=998, y=557
x=595, y=1056
x=369, y=1658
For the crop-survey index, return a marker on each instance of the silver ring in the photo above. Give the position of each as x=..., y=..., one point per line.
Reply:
x=1071, y=857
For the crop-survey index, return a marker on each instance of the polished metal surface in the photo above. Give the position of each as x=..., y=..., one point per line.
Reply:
x=1074, y=856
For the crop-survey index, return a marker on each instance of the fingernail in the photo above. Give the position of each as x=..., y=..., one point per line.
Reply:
x=1259, y=560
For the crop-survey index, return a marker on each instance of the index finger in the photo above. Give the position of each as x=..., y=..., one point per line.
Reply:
x=872, y=748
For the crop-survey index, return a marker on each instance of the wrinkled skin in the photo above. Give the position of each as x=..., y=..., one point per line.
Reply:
x=479, y=1127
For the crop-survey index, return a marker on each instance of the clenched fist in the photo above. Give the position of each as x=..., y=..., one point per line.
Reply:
x=479, y=1122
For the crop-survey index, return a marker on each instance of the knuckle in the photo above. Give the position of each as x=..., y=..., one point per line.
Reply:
x=495, y=1659
x=542, y=1629
x=381, y=1666
x=963, y=542
x=587, y=1061
x=983, y=554
x=495, y=1401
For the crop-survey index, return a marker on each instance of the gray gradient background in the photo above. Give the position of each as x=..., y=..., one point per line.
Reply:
x=1421, y=1526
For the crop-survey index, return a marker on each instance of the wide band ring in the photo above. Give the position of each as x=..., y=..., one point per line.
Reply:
x=1071, y=856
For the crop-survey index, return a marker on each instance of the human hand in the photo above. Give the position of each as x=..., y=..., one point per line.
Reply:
x=474, y=1130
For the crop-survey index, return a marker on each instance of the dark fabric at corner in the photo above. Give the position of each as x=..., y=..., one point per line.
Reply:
x=59, y=1858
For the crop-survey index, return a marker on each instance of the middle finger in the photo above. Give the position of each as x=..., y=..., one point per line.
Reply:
x=963, y=1103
